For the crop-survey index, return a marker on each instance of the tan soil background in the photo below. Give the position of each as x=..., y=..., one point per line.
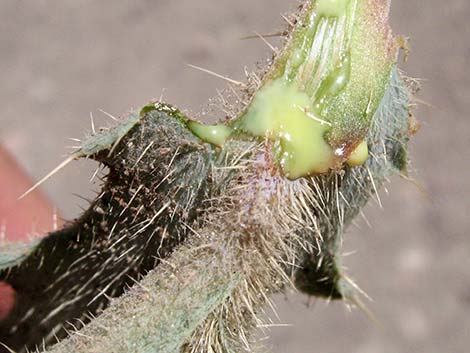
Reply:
x=61, y=60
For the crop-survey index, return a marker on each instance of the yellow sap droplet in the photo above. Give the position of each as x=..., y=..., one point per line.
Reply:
x=214, y=134
x=331, y=8
x=284, y=114
x=359, y=155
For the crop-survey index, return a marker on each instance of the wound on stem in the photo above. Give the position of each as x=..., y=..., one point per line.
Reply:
x=317, y=102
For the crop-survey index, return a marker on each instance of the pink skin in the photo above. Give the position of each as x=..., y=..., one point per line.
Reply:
x=19, y=219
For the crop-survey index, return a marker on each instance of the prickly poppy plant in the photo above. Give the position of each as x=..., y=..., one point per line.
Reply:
x=198, y=225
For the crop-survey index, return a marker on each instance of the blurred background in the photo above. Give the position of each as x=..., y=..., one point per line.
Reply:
x=61, y=60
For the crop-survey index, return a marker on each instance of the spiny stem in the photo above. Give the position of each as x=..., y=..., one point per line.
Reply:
x=225, y=215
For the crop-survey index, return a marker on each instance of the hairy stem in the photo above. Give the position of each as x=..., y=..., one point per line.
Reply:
x=223, y=216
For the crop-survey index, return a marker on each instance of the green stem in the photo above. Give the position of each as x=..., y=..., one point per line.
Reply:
x=220, y=221
x=316, y=103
